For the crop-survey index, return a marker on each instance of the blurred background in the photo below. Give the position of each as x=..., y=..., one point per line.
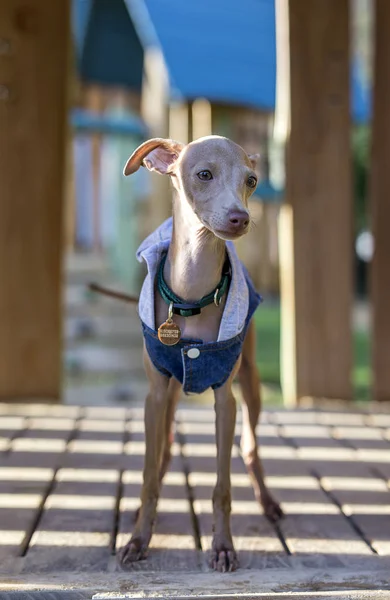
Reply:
x=145, y=68
x=119, y=44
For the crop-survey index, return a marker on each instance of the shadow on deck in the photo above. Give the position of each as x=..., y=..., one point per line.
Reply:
x=71, y=478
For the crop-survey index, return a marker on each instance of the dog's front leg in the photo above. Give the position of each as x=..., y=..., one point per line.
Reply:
x=155, y=418
x=223, y=555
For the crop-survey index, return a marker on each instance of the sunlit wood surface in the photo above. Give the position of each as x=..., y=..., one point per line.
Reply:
x=70, y=480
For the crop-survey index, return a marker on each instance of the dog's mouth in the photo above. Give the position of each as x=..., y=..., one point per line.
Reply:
x=229, y=236
x=225, y=233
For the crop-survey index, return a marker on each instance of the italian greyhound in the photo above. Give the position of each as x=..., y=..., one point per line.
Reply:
x=213, y=179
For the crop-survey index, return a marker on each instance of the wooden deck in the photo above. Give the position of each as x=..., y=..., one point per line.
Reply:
x=70, y=480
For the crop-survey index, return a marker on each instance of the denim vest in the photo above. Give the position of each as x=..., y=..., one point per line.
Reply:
x=212, y=365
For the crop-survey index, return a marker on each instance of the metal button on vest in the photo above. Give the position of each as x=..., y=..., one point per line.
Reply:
x=193, y=353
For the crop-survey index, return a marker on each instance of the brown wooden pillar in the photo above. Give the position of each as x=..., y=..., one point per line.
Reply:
x=201, y=118
x=155, y=112
x=34, y=37
x=316, y=222
x=380, y=204
x=179, y=122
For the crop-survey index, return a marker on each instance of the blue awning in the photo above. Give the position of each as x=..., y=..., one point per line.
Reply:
x=107, y=123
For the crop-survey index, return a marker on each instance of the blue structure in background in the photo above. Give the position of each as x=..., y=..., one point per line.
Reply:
x=113, y=54
x=117, y=201
x=109, y=123
x=81, y=12
x=222, y=50
x=361, y=96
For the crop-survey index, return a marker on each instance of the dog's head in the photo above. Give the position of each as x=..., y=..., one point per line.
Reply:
x=215, y=176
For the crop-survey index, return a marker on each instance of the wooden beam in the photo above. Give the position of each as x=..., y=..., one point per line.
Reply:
x=316, y=223
x=201, y=118
x=179, y=122
x=32, y=168
x=70, y=201
x=95, y=101
x=380, y=204
x=155, y=112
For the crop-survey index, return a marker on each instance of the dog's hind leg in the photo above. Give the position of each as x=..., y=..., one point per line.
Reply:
x=250, y=387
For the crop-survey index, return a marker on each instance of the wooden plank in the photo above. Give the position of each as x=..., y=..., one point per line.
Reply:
x=316, y=279
x=378, y=420
x=32, y=158
x=76, y=529
x=361, y=437
x=21, y=493
x=379, y=205
x=26, y=474
x=255, y=539
x=173, y=546
x=37, y=449
x=38, y=410
x=99, y=443
x=366, y=498
x=342, y=480
x=10, y=427
x=316, y=531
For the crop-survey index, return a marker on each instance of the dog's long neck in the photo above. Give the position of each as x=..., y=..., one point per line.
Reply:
x=196, y=256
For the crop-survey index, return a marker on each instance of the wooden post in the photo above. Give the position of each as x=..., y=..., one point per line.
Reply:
x=179, y=122
x=316, y=221
x=33, y=76
x=155, y=112
x=201, y=118
x=380, y=204
x=94, y=100
x=70, y=200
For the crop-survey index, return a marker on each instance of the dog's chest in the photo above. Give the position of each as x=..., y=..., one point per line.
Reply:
x=204, y=327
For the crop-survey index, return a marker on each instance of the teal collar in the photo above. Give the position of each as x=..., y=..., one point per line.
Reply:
x=185, y=309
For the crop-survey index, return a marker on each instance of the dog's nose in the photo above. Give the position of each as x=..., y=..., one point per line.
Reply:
x=238, y=221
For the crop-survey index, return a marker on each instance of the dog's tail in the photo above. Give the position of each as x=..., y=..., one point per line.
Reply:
x=94, y=287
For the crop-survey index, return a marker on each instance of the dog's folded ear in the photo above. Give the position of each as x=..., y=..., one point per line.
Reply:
x=254, y=158
x=157, y=154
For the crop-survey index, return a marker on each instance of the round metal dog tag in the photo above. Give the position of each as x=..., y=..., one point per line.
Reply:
x=169, y=333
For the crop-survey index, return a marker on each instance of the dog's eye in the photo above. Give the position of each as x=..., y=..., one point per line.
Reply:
x=251, y=182
x=205, y=175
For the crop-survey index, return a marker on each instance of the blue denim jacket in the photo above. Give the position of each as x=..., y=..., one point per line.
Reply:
x=215, y=360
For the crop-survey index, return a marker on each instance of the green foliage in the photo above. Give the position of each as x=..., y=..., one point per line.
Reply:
x=361, y=141
x=267, y=321
x=268, y=316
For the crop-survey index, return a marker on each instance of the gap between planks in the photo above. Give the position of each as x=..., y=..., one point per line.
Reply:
x=290, y=442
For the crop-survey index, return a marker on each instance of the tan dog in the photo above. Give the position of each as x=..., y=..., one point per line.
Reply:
x=212, y=179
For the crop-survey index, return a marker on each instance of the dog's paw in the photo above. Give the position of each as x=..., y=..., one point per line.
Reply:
x=134, y=551
x=223, y=558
